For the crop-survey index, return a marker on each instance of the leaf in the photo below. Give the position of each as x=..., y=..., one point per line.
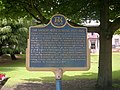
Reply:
x=5, y=30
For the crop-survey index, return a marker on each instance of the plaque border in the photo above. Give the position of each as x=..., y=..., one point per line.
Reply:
x=55, y=68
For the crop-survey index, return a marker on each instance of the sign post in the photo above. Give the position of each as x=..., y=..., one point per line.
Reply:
x=58, y=76
x=57, y=47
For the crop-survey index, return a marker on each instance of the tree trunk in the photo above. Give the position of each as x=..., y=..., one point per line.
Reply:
x=104, y=81
x=13, y=57
x=105, y=63
x=1, y=53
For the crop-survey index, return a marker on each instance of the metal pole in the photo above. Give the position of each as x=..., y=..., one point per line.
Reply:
x=58, y=76
x=58, y=84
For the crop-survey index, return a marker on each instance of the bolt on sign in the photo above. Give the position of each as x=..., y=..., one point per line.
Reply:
x=57, y=45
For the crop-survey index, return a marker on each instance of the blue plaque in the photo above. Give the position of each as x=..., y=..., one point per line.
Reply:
x=57, y=45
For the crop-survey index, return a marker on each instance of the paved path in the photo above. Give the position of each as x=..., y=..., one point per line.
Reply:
x=66, y=85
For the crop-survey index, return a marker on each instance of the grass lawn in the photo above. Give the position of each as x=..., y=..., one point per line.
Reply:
x=17, y=72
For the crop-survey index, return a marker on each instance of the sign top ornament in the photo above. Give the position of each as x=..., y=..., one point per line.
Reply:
x=58, y=21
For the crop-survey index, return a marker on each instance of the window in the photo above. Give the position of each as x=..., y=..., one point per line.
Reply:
x=116, y=42
x=92, y=44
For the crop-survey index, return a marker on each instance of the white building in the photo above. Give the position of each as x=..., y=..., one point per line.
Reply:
x=116, y=43
x=93, y=39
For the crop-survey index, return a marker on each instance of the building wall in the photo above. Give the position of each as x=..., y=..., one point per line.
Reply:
x=116, y=40
x=116, y=43
x=93, y=39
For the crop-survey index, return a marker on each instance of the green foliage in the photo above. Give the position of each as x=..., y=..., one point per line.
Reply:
x=17, y=72
x=6, y=29
x=117, y=32
x=13, y=37
x=76, y=10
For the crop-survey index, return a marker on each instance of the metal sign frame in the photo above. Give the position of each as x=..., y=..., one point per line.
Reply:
x=55, y=25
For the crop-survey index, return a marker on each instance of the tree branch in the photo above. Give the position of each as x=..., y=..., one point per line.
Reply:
x=115, y=25
x=42, y=18
x=95, y=29
x=39, y=14
x=32, y=14
x=24, y=4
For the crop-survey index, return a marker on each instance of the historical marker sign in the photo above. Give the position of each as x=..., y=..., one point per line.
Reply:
x=57, y=45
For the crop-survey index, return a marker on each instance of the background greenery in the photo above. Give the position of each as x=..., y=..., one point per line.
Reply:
x=107, y=12
x=17, y=72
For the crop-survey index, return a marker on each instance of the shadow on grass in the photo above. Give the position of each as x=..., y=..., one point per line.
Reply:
x=36, y=86
x=65, y=77
x=7, y=69
x=43, y=79
x=116, y=79
x=66, y=85
x=16, y=63
x=83, y=84
x=5, y=61
x=87, y=81
x=77, y=82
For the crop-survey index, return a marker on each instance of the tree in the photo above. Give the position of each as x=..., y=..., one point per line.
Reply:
x=77, y=11
x=13, y=38
x=117, y=32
